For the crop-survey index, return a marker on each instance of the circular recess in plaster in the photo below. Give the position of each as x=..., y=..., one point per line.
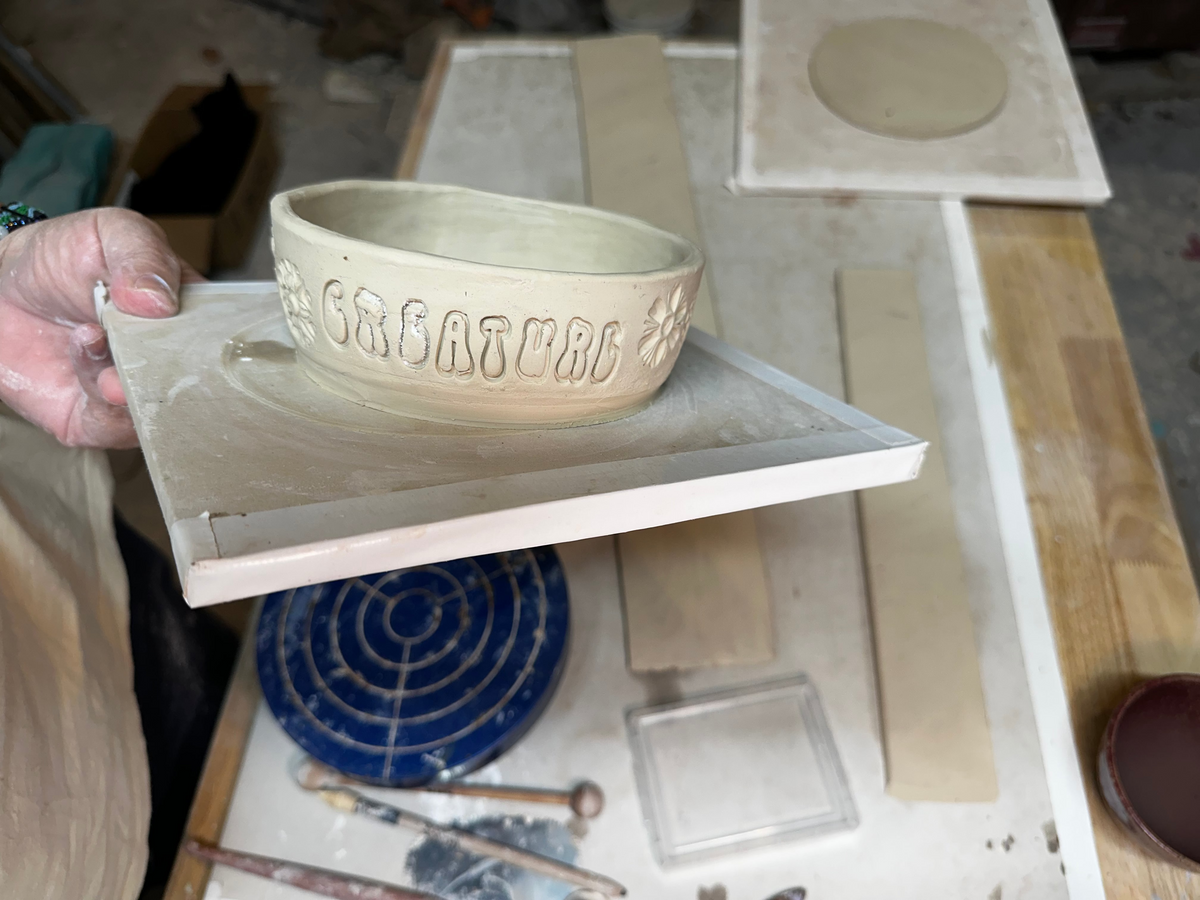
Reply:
x=908, y=78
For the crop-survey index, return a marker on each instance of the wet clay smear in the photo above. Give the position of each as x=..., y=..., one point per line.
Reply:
x=442, y=867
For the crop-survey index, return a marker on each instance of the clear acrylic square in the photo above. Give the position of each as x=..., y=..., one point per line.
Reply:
x=738, y=768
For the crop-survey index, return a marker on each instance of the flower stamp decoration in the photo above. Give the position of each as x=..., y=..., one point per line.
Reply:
x=297, y=304
x=666, y=324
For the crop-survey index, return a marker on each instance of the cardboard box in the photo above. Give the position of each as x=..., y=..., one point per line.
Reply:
x=221, y=241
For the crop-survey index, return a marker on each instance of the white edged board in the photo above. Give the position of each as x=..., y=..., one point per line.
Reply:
x=268, y=482
x=936, y=734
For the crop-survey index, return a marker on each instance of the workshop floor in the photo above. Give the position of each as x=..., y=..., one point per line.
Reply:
x=119, y=59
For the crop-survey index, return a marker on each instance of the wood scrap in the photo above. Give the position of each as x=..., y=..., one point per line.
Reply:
x=935, y=730
x=28, y=95
x=695, y=593
x=632, y=147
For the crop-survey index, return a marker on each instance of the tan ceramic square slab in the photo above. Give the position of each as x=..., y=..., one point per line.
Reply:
x=1038, y=148
x=269, y=482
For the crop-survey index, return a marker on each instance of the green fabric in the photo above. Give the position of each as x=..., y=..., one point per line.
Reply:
x=59, y=169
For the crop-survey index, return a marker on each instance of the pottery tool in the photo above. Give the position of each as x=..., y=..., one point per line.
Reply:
x=309, y=878
x=404, y=677
x=585, y=798
x=695, y=593
x=935, y=728
x=349, y=800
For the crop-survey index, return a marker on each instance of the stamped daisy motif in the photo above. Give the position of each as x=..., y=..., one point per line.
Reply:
x=297, y=304
x=666, y=323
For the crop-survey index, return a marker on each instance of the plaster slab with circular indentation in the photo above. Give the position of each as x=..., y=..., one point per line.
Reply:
x=908, y=78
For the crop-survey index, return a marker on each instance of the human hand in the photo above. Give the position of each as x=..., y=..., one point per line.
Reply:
x=55, y=365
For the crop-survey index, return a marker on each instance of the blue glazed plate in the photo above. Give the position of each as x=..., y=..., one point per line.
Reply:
x=420, y=674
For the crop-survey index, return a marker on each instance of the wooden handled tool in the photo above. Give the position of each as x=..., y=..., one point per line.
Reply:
x=585, y=799
x=348, y=800
x=309, y=878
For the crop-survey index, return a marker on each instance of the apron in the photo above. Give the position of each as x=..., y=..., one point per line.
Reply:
x=74, y=781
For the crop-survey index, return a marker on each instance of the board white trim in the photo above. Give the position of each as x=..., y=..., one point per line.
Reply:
x=1064, y=778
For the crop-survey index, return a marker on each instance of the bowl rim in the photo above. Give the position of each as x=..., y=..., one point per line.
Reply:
x=283, y=213
x=1109, y=758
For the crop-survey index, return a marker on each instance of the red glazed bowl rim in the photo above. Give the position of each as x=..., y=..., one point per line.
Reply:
x=1110, y=761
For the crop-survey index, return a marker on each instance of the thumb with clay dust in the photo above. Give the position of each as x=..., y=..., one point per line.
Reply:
x=55, y=365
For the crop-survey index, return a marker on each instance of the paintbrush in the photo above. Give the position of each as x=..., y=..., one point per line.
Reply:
x=348, y=800
x=585, y=798
x=309, y=878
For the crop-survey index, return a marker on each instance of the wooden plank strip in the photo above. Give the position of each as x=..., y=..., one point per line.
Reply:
x=693, y=560
x=635, y=165
x=418, y=130
x=1121, y=596
x=935, y=731
x=41, y=91
x=632, y=147
x=206, y=821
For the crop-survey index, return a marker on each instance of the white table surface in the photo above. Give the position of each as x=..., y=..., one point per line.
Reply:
x=506, y=121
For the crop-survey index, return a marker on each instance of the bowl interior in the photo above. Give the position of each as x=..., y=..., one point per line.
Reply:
x=1156, y=748
x=489, y=229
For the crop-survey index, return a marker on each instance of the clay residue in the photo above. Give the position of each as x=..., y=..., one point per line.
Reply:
x=792, y=893
x=1051, y=833
x=442, y=867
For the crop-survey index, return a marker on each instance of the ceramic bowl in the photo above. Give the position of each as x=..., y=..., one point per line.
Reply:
x=1149, y=767
x=456, y=305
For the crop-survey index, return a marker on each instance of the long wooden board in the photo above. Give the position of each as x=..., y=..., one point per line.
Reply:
x=935, y=730
x=632, y=148
x=1121, y=594
x=695, y=593
x=189, y=875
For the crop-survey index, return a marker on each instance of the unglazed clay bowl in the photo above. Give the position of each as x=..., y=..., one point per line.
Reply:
x=456, y=305
x=1149, y=767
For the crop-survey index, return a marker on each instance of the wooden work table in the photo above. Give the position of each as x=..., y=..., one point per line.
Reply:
x=1117, y=579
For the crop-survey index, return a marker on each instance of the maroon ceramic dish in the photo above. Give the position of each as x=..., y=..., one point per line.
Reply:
x=1149, y=767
